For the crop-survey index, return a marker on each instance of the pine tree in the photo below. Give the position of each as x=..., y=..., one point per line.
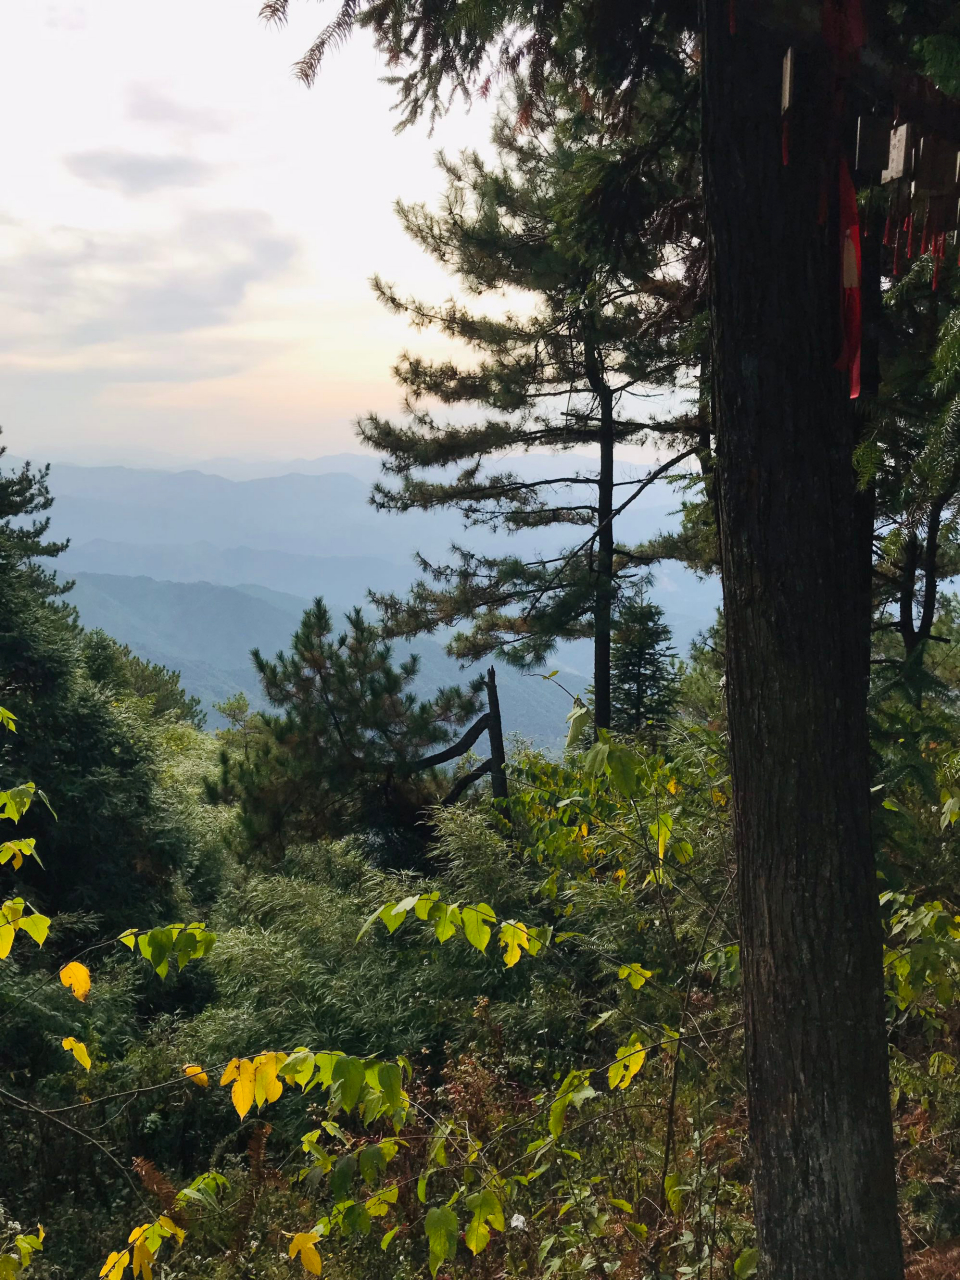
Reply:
x=350, y=748
x=110, y=663
x=117, y=846
x=604, y=326
x=644, y=671
x=795, y=530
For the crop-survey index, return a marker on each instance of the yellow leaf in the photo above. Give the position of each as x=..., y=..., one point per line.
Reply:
x=672, y=786
x=6, y=939
x=142, y=1260
x=630, y=1058
x=76, y=976
x=196, y=1074
x=635, y=974
x=513, y=936
x=242, y=1072
x=115, y=1266
x=78, y=1049
x=267, y=1088
x=303, y=1243
x=169, y=1225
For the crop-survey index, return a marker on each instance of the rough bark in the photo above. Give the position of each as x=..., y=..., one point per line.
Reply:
x=795, y=539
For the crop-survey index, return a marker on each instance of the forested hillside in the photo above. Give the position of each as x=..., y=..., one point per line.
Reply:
x=131, y=534
x=396, y=883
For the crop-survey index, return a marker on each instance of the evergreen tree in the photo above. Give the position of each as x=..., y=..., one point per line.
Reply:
x=602, y=328
x=795, y=530
x=351, y=747
x=644, y=670
x=117, y=846
x=115, y=664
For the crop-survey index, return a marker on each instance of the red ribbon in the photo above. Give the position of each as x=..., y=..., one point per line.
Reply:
x=851, y=276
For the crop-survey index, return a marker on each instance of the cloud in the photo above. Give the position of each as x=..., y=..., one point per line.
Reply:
x=152, y=106
x=65, y=288
x=137, y=173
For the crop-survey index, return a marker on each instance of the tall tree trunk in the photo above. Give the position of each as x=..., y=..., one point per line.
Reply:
x=603, y=609
x=795, y=540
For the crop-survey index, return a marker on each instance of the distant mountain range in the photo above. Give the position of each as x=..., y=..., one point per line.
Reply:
x=194, y=568
x=206, y=632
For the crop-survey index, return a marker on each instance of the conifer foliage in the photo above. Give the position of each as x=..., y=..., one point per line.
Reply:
x=644, y=683
x=351, y=745
x=592, y=330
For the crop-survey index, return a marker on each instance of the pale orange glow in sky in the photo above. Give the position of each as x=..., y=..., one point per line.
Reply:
x=187, y=234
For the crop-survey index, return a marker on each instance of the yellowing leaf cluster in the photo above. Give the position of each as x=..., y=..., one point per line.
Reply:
x=373, y=1088
x=24, y=1246
x=145, y=1241
x=474, y=920
x=180, y=942
x=13, y=917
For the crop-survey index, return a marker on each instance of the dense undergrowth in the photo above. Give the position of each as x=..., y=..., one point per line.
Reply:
x=623, y=854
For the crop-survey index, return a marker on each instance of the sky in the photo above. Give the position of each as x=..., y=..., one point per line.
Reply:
x=187, y=233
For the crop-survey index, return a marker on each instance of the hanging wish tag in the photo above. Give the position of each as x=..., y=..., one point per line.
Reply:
x=900, y=160
x=873, y=144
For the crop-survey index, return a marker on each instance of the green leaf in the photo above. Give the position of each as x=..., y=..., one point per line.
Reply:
x=372, y=1163
x=595, y=760
x=486, y=1209
x=635, y=974
x=348, y=1077
x=355, y=1221
x=622, y=764
x=674, y=1187
x=746, y=1265
x=424, y=903
x=442, y=1231
x=578, y=719
x=342, y=1177
x=385, y=1242
x=298, y=1068
x=392, y=916
x=476, y=924
x=576, y=1089
x=37, y=926
x=390, y=1081
x=445, y=919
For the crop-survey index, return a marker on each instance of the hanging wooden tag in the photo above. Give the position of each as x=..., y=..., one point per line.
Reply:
x=936, y=171
x=873, y=144
x=943, y=213
x=900, y=163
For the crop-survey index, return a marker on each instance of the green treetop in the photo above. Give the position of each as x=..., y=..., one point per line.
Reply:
x=644, y=684
x=597, y=326
x=351, y=748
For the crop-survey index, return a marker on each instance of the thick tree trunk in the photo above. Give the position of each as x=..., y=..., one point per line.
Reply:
x=795, y=539
x=603, y=609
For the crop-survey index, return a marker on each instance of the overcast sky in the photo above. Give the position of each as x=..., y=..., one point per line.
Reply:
x=186, y=233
